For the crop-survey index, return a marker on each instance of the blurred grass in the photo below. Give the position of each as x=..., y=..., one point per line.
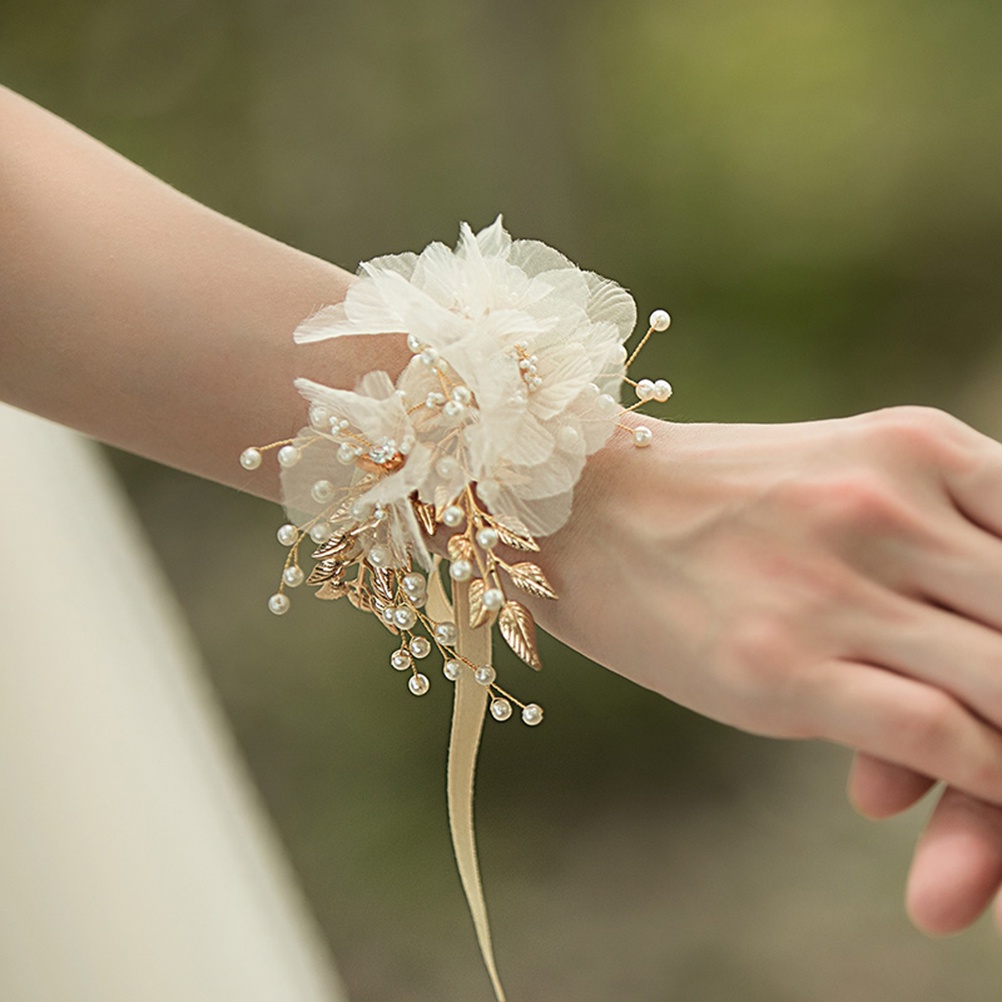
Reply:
x=812, y=189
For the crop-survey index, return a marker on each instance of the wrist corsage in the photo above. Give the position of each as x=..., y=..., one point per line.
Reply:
x=518, y=357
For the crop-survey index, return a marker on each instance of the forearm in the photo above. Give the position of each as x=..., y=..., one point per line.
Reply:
x=131, y=312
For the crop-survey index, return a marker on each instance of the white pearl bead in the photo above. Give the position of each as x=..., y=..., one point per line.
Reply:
x=460, y=570
x=414, y=344
x=418, y=684
x=420, y=647
x=413, y=583
x=493, y=599
x=406, y=444
x=487, y=538
x=320, y=533
x=401, y=660
x=660, y=320
x=288, y=456
x=607, y=406
x=445, y=633
x=388, y=614
x=662, y=390
x=320, y=417
x=279, y=604
x=250, y=459
x=619, y=355
x=453, y=516
x=405, y=617
x=451, y=669
x=642, y=436
x=287, y=534
x=485, y=674
x=293, y=576
x=532, y=714
x=346, y=454
x=568, y=438
x=434, y=399
x=379, y=555
x=322, y=491
x=429, y=356
x=645, y=390
x=453, y=410
x=447, y=468
x=462, y=395
x=500, y=709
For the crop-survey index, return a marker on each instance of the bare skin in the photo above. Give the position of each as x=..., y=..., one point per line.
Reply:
x=801, y=581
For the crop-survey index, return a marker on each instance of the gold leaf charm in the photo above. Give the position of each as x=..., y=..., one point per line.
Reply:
x=479, y=613
x=362, y=600
x=530, y=578
x=324, y=571
x=336, y=546
x=519, y=631
x=383, y=582
x=517, y=540
x=332, y=590
x=460, y=548
x=425, y=515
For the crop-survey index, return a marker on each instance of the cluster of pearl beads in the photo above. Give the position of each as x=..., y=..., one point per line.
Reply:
x=659, y=390
x=528, y=366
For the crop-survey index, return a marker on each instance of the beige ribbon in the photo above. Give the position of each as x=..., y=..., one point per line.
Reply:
x=468, y=713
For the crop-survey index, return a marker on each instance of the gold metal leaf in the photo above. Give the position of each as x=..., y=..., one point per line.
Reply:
x=460, y=548
x=384, y=582
x=479, y=613
x=360, y=599
x=425, y=515
x=336, y=546
x=519, y=631
x=324, y=571
x=516, y=540
x=530, y=578
x=332, y=590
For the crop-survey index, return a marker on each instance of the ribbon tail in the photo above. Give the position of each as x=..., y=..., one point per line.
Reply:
x=468, y=713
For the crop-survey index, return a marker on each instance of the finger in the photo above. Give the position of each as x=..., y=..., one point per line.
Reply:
x=881, y=789
x=904, y=721
x=957, y=867
x=975, y=485
x=953, y=653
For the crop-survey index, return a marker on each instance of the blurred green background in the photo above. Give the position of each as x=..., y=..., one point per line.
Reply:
x=813, y=190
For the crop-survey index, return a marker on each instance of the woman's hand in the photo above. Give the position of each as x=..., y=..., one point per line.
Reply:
x=838, y=579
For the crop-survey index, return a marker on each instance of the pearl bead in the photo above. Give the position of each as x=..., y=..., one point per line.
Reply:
x=250, y=459
x=279, y=603
x=445, y=633
x=320, y=533
x=418, y=684
x=606, y=406
x=532, y=714
x=406, y=444
x=662, y=390
x=534, y=384
x=451, y=669
x=287, y=534
x=660, y=320
x=405, y=617
x=487, y=538
x=619, y=355
x=645, y=390
x=413, y=584
x=320, y=417
x=568, y=438
x=453, y=410
x=434, y=399
x=493, y=599
x=447, y=468
x=379, y=555
x=420, y=647
x=461, y=570
x=642, y=436
x=485, y=674
x=429, y=356
x=400, y=660
x=453, y=516
x=388, y=614
x=288, y=456
x=322, y=491
x=500, y=709
x=293, y=576
x=414, y=344
x=462, y=395
x=346, y=454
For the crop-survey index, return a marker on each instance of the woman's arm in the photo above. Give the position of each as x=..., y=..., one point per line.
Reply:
x=811, y=580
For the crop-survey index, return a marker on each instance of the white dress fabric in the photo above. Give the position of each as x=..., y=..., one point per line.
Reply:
x=135, y=862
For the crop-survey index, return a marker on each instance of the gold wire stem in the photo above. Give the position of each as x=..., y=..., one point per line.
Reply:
x=636, y=351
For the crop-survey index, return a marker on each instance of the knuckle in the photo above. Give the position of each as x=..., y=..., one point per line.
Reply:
x=918, y=431
x=927, y=725
x=756, y=650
